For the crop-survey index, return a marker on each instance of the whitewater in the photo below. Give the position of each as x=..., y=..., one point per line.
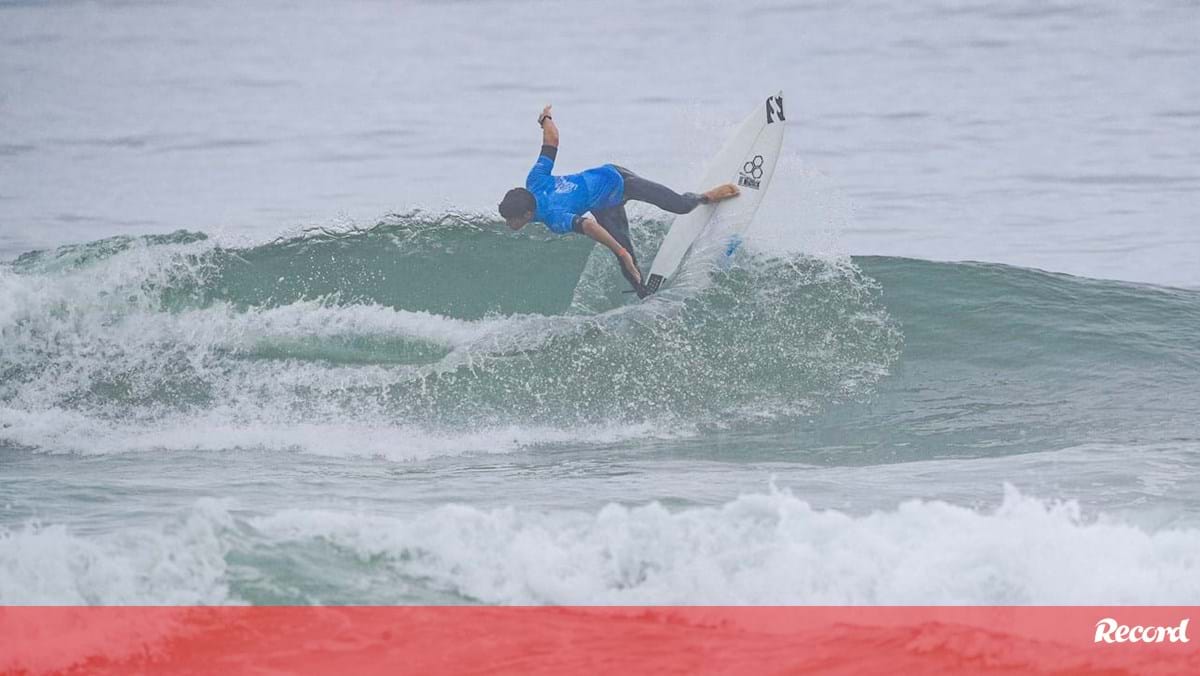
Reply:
x=255, y=355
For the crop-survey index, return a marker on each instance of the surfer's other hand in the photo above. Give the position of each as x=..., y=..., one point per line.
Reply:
x=627, y=262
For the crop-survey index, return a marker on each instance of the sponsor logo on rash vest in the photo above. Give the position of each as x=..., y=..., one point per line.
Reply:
x=1109, y=630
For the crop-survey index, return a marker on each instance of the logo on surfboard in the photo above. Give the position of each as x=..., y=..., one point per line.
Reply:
x=752, y=173
x=775, y=109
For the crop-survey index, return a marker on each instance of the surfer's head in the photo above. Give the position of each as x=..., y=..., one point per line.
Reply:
x=517, y=207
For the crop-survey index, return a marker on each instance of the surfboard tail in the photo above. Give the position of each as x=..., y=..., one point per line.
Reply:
x=654, y=282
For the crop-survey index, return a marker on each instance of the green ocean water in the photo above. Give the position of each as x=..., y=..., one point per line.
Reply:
x=435, y=409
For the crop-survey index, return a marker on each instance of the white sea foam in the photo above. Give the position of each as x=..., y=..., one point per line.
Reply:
x=772, y=548
x=757, y=549
x=67, y=431
x=80, y=329
x=72, y=330
x=180, y=563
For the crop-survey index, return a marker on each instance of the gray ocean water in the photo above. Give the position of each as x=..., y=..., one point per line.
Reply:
x=263, y=339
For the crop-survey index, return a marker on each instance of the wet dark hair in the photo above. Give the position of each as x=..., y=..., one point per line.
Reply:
x=517, y=202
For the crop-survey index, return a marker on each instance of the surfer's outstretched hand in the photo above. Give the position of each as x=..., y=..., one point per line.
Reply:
x=627, y=262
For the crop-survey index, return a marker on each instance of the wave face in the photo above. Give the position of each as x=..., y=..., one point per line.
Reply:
x=468, y=338
x=1000, y=359
x=565, y=443
x=442, y=326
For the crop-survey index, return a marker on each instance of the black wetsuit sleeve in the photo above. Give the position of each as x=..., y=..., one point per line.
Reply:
x=550, y=151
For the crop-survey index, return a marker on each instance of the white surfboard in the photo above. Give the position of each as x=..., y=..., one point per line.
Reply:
x=748, y=161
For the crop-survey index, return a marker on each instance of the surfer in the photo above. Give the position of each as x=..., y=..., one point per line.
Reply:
x=564, y=202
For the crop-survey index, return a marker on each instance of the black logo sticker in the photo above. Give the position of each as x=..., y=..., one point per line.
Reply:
x=775, y=109
x=752, y=173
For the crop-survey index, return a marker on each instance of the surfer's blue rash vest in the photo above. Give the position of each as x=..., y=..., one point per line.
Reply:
x=563, y=200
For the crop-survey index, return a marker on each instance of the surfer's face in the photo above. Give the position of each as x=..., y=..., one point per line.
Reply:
x=518, y=222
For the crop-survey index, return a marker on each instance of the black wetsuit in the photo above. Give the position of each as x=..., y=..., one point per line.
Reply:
x=561, y=201
x=638, y=189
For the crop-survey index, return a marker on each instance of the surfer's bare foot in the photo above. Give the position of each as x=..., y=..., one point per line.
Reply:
x=721, y=193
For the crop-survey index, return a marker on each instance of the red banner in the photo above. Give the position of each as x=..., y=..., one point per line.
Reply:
x=618, y=640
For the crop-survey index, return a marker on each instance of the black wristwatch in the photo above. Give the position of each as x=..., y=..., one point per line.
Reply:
x=542, y=120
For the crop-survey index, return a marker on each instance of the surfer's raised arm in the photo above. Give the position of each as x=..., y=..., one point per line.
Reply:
x=549, y=129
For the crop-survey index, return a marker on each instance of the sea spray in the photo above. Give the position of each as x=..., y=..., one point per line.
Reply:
x=164, y=333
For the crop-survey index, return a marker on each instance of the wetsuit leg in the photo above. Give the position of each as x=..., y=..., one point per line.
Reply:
x=616, y=222
x=643, y=190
